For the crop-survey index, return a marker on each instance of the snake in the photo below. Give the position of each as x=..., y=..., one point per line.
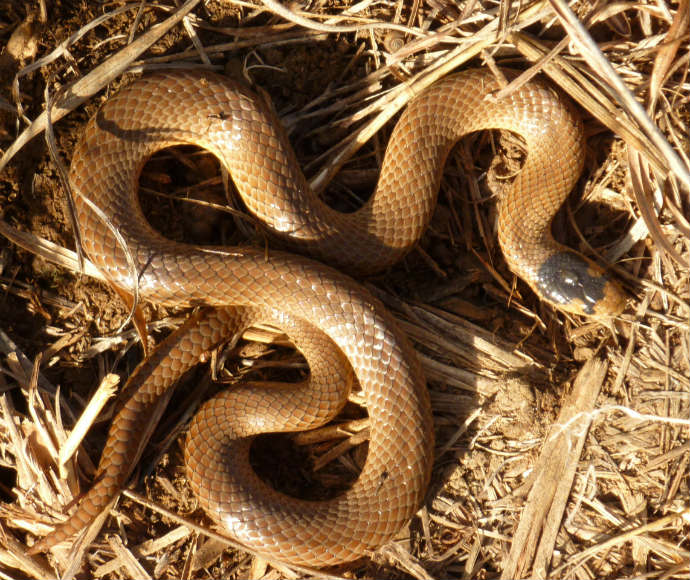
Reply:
x=345, y=333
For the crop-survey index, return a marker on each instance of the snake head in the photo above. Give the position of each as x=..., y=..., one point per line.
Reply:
x=572, y=283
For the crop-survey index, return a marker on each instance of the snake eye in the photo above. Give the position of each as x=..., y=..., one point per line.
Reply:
x=569, y=278
x=576, y=284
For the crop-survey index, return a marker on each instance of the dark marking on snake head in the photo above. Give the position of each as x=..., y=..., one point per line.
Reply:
x=568, y=279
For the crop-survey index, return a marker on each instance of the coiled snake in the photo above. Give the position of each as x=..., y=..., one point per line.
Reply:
x=339, y=327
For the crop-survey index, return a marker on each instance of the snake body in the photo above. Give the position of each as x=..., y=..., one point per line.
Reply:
x=340, y=327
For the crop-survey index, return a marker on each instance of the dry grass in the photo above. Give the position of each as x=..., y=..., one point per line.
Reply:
x=562, y=444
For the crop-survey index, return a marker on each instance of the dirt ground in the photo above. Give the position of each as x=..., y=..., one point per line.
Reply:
x=510, y=378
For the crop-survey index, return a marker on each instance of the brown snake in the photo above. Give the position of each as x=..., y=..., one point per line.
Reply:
x=329, y=317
